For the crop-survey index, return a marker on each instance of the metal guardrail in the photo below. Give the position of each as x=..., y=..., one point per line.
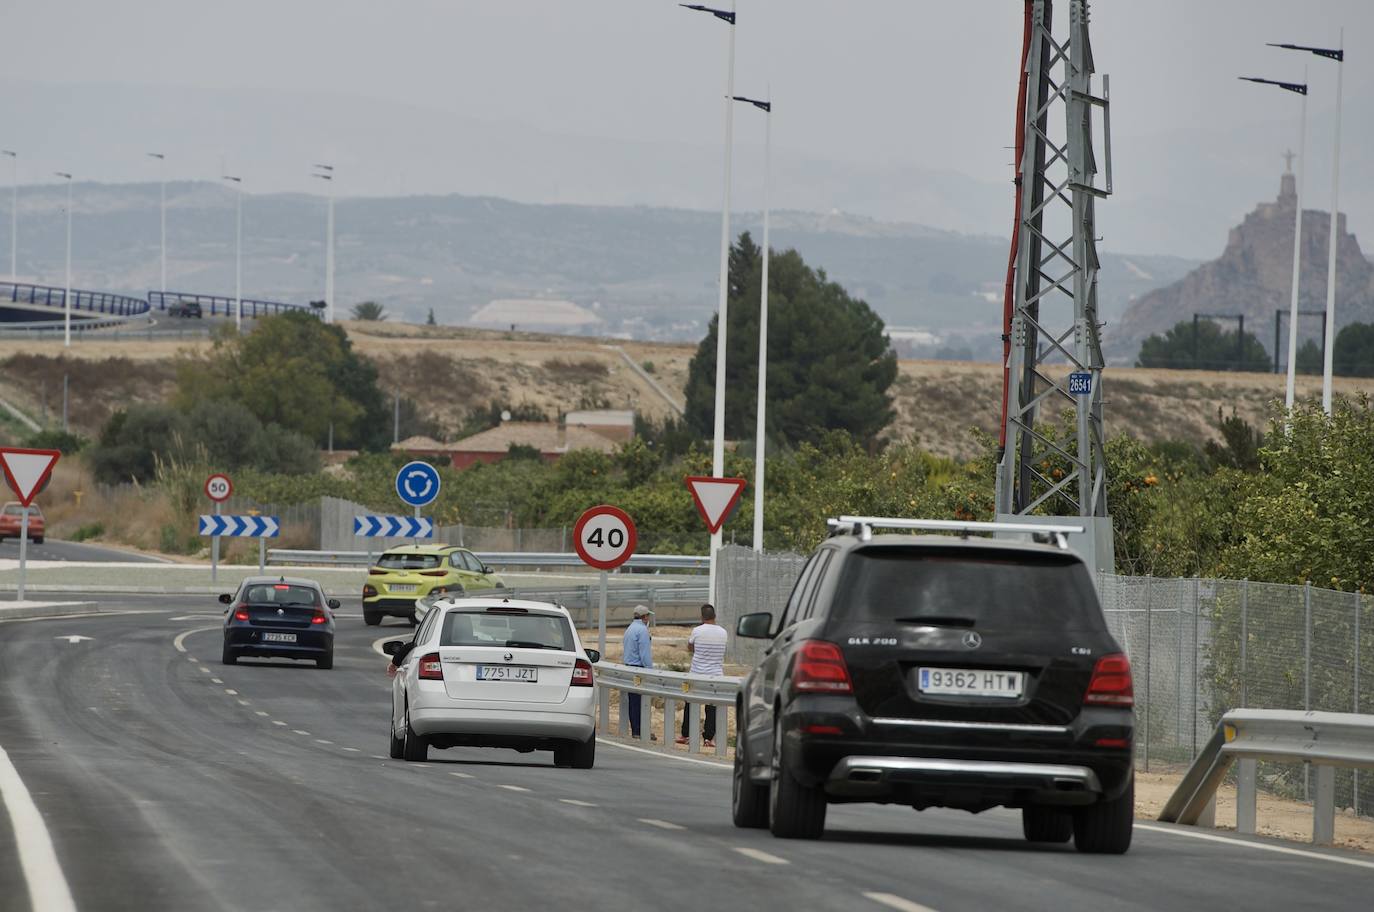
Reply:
x=90, y=301
x=694, y=691
x=494, y=558
x=1325, y=739
x=222, y=305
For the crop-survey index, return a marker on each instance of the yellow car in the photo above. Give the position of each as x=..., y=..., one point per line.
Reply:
x=404, y=575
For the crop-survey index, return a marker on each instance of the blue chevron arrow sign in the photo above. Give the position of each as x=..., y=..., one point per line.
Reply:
x=393, y=526
x=240, y=526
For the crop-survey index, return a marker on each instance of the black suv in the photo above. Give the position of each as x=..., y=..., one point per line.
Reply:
x=939, y=671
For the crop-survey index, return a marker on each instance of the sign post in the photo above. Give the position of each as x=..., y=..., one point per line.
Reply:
x=218, y=487
x=27, y=472
x=604, y=537
x=417, y=484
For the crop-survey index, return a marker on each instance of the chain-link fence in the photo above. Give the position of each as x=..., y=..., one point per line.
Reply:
x=1198, y=648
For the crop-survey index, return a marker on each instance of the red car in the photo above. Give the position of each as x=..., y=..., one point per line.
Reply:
x=13, y=514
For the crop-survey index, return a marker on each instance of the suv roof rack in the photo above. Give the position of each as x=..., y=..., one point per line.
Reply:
x=863, y=526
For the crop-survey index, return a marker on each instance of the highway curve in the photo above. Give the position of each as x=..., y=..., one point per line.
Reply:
x=169, y=781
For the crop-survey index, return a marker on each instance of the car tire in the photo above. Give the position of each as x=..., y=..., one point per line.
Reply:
x=326, y=662
x=414, y=748
x=748, y=800
x=1105, y=828
x=227, y=656
x=583, y=756
x=795, y=811
x=398, y=745
x=372, y=618
x=38, y=540
x=1046, y=824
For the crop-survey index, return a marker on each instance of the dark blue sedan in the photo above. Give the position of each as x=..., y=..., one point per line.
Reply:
x=272, y=616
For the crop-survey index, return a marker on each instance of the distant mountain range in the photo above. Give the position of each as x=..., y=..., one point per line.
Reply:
x=644, y=272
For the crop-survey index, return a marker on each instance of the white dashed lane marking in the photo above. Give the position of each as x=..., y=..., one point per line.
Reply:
x=263, y=712
x=513, y=788
x=893, y=901
x=278, y=722
x=297, y=731
x=351, y=750
x=216, y=681
x=661, y=824
x=232, y=693
x=461, y=775
x=576, y=803
x=760, y=855
x=322, y=741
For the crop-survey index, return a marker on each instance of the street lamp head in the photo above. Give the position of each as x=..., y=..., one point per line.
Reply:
x=324, y=177
x=1336, y=54
x=9, y=153
x=325, y=167
x=158, y=155
x=724, y=15
x=1298, y=87
x=230, y=177
x=63, y=174
x=766, y=106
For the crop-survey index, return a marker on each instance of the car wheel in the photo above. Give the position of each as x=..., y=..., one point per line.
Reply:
x=1046, y=824
x=414, y=749
x=326, y=662
x=795, y=811
x=748, y=801
x=583, y=755
x=38, y=540
x=1105, y=828
x=372, y=618
x=398, y=745
x=228, y=656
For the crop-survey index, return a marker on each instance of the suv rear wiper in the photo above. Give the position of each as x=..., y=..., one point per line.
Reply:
x=529, y=644
x=937, y=620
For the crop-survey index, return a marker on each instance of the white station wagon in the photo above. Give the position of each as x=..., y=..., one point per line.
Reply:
x=494, y=672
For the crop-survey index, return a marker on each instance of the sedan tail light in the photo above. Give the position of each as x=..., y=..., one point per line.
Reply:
x=319, y=617
x=241, y=613
x=431, y=669
x=582, y=673
x=1111, y=682
x=820, y=668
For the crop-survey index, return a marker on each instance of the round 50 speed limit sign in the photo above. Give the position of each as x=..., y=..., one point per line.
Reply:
x=605, y=537
x=218, y=488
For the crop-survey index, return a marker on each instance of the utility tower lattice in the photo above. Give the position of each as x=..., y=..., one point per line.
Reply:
x=1051, y=307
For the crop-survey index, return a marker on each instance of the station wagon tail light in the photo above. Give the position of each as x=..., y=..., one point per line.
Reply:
x=241, y=613
x=431, y=669
x=1111, y=682
x=582, y=673
x=820, y=668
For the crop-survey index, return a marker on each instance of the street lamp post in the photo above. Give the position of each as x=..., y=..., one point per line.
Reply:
x=718, y=439
x=162, y=208
x=1301, y=89
x=328, y=175
x=14, y=215
x=238, y=252
x=761, y=406
x=1329, y=344
x=67, y=290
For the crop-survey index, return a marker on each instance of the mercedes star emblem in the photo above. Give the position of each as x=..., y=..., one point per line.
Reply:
x=972, y=640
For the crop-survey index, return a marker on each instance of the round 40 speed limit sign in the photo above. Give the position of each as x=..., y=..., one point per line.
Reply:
x=605, y=537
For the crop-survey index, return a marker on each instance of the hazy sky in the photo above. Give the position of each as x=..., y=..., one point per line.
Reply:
x=910, y=83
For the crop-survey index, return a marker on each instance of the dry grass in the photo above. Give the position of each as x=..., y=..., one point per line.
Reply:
x=96, y=387
x=579, y=372
x=131, y=516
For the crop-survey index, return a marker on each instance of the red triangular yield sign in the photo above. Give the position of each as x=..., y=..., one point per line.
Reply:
x=27, y=470
x=715, y=498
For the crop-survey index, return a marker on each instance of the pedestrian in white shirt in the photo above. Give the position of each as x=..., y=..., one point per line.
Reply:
x=707, y=645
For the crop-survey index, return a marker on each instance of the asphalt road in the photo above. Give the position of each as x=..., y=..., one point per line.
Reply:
x=53, y=550
x=169, y=781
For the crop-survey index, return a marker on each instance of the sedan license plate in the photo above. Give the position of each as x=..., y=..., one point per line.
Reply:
x=279, y=638
x=970, y=682
x=507, y=673
x=403, y=587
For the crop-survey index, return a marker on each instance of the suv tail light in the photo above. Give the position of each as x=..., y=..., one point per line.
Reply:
x=431, y=669
x=434, y=573
x=820, y=668
x=369, y=591
x=373, y=571
x=582, y=673
x=241, y=613
x=1111, y=682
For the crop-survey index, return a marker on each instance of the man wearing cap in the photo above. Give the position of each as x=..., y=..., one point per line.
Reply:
x=638, y=653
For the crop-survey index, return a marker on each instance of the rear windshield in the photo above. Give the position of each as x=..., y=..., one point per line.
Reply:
x=281, y=594
x=961, y=589
x=408, y=561
x=470, y=628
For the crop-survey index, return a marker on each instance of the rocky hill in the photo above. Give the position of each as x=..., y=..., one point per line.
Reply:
x=1254, y=275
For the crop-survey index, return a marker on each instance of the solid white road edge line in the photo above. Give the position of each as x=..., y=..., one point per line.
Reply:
x=1263, y=846
x=893, y=901
x=48, y=890
x=180, y=641
x=654, y=753
x=760, y=855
